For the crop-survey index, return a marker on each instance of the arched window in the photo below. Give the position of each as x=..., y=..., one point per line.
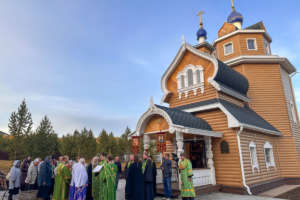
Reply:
x=253, y=156
x=269, y=156
x=198, y=76
x=182, y=81
x=224, y=147
x=190, y=77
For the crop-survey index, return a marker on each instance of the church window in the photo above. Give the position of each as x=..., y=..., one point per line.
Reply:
x=224, y=147
x=190, y=77
x=253, y=156
x=293, y=111
x=269, y=155
x=182, y=81
x=228, y=48
x=267, y=47
x=198, y=76
x=251, y=44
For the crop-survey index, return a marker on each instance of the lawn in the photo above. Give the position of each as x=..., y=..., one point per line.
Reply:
x=5, y=166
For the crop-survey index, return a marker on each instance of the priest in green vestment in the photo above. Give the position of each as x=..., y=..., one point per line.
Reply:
x=186, y=174
x=107, y=180
x=62, y=181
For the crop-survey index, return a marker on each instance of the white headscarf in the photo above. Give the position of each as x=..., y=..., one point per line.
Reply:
x=79, y=174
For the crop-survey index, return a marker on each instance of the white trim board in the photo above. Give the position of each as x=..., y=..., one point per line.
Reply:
x=266, y=35
x=273, y=59
x=233, y=122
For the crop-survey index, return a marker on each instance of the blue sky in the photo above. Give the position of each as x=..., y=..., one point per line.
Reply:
x=96, y=63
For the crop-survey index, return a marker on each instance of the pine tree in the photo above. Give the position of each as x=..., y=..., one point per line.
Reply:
x=103, y=142
x=44, y=141
x=124, y=142
x=20, y=126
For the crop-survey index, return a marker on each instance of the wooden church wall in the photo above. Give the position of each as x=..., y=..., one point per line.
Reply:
x=156, y=123
x=240, y=46
x=268, y=100
x=228, y=169
x=263, y=174
x=209, y=91
x=289, y=94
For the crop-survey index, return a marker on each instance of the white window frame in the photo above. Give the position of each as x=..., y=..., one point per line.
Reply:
x=255, y=44
x=267, y=47
x=293, y=112
x=224, y=47
x=195, y=86
x=253, y=157
x=272, y=161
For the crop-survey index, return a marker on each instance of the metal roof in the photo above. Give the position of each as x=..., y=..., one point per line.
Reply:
x=244, y=115
x=185, y=119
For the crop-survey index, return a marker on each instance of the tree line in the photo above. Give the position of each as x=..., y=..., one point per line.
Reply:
x=43, y=141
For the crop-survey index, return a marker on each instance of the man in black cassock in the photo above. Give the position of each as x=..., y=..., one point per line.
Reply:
x=147, y=169
x=154, y=169
x=134, y=189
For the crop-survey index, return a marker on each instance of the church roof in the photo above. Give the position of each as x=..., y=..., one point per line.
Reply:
x=185, y=119
x=244, y=115
x=231, y=78
x=258, y=26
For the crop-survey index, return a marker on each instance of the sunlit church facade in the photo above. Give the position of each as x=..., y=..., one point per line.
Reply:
x=231, y=109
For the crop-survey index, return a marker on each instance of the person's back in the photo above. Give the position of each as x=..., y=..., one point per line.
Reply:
x=134, y=189
x=166, y=168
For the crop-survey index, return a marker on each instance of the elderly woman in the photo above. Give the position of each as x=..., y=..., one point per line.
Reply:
x=44, y=179
x=14, y=179
x=79, y=181
x=32, y=175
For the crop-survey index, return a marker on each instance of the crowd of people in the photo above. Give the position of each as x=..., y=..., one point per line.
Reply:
x=61, y=179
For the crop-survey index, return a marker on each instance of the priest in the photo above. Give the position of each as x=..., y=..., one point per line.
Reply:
x=186, y=174
x=147, y=169
x=106, y=190
x=134, y=189
x=62, y=180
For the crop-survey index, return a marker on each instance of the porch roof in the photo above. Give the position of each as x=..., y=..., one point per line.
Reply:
x=185, y=119
x=245, y=116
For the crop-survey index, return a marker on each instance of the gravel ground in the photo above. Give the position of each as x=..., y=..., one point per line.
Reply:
x=121, y=194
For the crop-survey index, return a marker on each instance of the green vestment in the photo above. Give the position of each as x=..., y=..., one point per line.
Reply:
x=186, y=173
x=62, y=182
x=95, y=185
x=107, y=181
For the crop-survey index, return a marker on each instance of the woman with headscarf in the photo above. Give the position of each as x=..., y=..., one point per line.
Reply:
x=32, y=175
x=14, y=179
x=79, y=181
x=24, y=169
x=91, y=179
x=44, y=179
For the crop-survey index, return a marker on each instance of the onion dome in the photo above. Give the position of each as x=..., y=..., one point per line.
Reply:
x=235, y=17
x=201, y=33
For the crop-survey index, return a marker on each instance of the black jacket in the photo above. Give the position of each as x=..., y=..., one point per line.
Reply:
x=166, y=168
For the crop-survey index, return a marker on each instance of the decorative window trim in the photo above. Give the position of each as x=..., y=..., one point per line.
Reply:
x=293, y=112
x=195, y=86
x=224, y=47
x=255, y=44
x=255, y=164
x=272, y=162
x=267, y=47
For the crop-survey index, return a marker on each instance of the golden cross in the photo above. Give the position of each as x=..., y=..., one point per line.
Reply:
x=232, y=4
x=200, y=15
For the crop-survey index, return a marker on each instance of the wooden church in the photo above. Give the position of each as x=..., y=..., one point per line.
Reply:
x=232, y=110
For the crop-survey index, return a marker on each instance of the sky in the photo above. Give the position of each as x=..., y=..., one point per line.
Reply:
x=96, y=63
